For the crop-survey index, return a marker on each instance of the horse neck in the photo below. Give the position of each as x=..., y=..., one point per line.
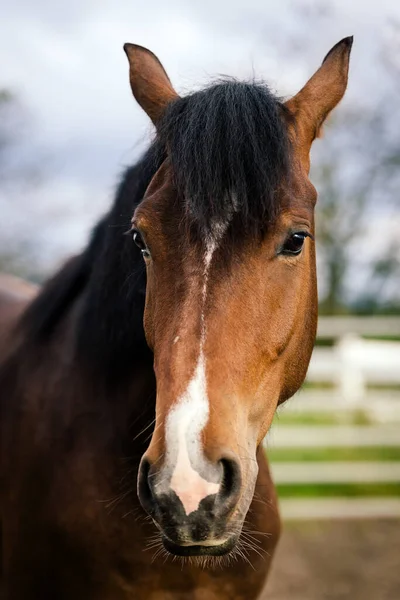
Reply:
x=123, y=391
x=87, y=324
x=73, y=386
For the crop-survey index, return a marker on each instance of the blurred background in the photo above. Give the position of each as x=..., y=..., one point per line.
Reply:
x=68, y=128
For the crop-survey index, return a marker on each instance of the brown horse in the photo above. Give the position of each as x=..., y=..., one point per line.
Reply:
x=187, y=336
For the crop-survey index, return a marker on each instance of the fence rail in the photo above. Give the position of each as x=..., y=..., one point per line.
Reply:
x=340, y=508
x=353, y=363
x=332, y=436
x=378, y=407
x=336, y=472
x=350, y=366
x=335, y=327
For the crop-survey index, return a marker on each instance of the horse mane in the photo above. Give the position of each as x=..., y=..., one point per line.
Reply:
x=109, y=275
x=229, y=150
x=61, y=290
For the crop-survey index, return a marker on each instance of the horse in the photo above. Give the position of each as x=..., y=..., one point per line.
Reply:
x=138, y=385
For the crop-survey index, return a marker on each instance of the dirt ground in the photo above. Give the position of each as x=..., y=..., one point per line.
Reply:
x=356, y=560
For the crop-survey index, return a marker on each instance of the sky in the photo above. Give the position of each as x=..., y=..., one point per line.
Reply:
x=81, y=126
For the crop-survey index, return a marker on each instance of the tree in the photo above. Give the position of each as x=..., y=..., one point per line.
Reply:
x=356, y=171
x=356, y=179
x=17, y=255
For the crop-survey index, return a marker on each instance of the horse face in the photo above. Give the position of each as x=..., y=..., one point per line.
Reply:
x=231, y=326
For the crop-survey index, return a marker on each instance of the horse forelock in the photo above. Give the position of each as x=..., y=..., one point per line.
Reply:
x=229, y=151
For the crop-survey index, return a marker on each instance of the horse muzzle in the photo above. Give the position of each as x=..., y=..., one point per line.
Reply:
x=194, y=522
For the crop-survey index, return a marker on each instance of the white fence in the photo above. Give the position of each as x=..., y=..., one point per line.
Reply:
x=352, y=364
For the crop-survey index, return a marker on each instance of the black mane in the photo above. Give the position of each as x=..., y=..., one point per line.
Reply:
x=229, y=150
x=110, y=278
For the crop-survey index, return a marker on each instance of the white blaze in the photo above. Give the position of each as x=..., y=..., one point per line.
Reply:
x=184, y=425
x=189, y=415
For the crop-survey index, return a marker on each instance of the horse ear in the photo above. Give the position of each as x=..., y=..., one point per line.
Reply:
x=321, y=94
x=149, y=82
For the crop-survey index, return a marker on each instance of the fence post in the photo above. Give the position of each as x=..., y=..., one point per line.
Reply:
x=350, y=378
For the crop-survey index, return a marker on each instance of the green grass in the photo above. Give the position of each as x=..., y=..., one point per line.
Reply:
x=385, y=338
x=356, y=417
x=326, y=342
x=330, y=385
x=351, y=490
x=384, y=386
x=333, y=454
x=329, y=342
x=318, y=385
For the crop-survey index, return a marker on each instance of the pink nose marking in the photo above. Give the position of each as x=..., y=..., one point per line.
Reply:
x=190, y=487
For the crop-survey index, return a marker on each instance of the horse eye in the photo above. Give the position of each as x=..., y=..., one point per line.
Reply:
x=140, y=243
x=294, y=243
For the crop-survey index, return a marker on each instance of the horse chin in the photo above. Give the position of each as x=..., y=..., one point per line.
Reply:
x=200, y=550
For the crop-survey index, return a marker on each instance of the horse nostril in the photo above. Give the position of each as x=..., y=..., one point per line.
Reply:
x=229, y=492
x=144, y=490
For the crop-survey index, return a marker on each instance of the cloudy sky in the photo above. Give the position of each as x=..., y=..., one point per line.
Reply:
x=64, y=61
